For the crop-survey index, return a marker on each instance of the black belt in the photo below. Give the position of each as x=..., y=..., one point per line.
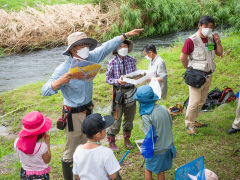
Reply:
x=122, y=87
x=129, y=87
x=78, y=110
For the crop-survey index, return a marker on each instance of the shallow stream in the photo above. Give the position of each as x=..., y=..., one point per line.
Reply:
x=29, y=67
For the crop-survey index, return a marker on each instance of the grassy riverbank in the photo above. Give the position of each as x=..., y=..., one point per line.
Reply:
x=31, y=25
x=221, y=151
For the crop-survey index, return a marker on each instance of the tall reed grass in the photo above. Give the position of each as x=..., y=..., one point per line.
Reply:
x=50, y=26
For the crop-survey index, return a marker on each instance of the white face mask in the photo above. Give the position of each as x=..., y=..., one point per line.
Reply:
x=148, y=58
x=206, y=31
x=83, y=53
x=123, y=51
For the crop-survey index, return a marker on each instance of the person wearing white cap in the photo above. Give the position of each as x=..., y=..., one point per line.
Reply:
x=77, y=93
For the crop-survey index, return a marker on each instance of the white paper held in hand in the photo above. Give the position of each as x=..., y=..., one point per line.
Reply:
x=156, y=87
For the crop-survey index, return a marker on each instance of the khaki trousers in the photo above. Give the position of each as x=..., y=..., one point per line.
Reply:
x=74, y=138
x=236, y=123
x=197, y=97
x=129, y=113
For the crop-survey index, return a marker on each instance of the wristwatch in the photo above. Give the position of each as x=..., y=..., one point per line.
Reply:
x=219, y=42
x=124, y=36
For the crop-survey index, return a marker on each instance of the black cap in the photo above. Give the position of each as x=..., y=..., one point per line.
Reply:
x=95, y=123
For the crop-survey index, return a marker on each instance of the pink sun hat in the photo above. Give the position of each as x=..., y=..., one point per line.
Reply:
x=34, y=123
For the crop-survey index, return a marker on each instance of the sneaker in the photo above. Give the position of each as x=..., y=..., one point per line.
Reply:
x=232, y=130
x=191, y=131
x=198, y=124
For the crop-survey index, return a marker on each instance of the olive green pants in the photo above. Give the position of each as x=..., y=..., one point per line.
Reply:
x=127, y=112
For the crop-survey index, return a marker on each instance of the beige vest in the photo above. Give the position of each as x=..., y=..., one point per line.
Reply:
x=201, y=58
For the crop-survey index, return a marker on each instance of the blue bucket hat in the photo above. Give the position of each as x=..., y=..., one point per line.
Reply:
x=145, y=94
x=146, y=98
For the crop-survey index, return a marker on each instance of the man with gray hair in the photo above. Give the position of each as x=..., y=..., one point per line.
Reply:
x=77, y=93
x=157, y=65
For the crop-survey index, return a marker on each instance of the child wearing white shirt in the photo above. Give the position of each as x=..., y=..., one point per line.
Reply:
x=92, y=160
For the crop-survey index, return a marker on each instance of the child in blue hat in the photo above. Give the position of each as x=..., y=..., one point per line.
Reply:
x=158, y=116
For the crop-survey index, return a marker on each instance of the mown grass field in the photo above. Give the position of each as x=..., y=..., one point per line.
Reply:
x=220, y=150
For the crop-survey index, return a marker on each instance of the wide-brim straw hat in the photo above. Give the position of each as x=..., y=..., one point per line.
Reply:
x=130, y=47
x=78, y=38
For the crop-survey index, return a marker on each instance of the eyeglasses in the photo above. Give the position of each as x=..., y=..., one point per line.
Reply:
x=81, y=46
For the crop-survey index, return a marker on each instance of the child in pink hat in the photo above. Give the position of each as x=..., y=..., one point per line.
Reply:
x=33, y=146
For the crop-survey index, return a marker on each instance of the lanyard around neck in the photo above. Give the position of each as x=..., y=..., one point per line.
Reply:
x=94, y=142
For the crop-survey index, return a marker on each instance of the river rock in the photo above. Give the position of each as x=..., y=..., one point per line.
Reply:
x=5, y=5
x=7, y=164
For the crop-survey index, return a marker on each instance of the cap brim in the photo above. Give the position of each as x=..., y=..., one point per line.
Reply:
x=92, y=45
x=155, y=98
x=45, y=128
x=109, y=121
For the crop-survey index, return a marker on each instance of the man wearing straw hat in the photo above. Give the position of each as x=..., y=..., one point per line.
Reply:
x=78, y=94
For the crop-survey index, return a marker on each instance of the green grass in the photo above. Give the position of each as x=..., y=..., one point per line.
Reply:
x=221, y=151
x=166, y=16
x=1, y=52
x=17, y=5
x=157, y=17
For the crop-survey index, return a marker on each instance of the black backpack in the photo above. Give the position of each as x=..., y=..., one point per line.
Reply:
x=215, y=93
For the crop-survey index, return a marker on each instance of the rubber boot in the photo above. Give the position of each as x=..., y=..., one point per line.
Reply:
x=67, y=170
x=126, y=136
x=112, y=144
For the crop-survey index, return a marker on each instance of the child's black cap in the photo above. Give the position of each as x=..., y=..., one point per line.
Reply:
x=95, y=123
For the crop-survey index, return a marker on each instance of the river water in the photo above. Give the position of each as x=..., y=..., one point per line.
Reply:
x=29, y=67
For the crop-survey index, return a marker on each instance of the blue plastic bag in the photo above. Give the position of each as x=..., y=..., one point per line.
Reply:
x=237, y=95
x=191, y=171
x=148, y=143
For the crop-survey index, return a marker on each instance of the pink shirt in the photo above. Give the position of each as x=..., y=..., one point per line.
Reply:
x=33, y=164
